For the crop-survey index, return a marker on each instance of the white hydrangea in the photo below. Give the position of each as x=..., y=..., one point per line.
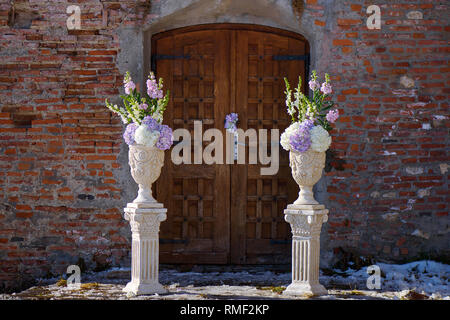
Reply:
x=320, y=139
x=146, y=137
x=286, y=135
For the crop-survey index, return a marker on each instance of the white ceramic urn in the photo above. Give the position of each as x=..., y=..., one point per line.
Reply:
x=306, y=170
x=145, y=163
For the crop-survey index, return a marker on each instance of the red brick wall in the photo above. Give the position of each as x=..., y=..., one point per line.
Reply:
x=61, y=188
x=390, y=201
x=60, y=198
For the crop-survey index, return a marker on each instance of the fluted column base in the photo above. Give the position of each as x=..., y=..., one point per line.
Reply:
x=306, y=222
x=144, y=288
x=301, y=289
x=145, y=219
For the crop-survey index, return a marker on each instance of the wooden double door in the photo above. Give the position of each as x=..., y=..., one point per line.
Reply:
x=226, y=213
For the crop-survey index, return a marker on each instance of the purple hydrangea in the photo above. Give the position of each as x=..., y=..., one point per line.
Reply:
x=165, y=140
x=300, y=142
x=301, y=139
x=128, y=135
x=151, y=123
x=306, y=125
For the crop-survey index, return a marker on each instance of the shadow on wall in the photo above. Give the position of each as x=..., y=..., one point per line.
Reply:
x=333, y=161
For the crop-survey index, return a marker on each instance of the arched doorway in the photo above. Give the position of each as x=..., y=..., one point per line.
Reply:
x=223, y=213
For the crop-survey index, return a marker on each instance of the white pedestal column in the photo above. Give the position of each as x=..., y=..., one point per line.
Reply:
x=145, y=219
x=306, y=223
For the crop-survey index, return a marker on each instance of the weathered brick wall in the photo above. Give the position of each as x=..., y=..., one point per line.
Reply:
x=61, y=190
x=390, y=201
x=63, y=177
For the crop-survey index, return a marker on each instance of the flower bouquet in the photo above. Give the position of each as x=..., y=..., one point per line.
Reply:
x=231, y=121
x=307, y=138
x=145, y=134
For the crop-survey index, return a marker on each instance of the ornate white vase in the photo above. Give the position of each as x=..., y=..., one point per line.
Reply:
x=145, y=163
x=306, y=170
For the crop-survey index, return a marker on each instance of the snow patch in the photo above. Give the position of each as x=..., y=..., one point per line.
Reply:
x=422, y=276
x=428, y=279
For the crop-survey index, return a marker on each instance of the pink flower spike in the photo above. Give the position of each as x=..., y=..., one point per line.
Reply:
x=332, y=115
x=313, y=85
x=129, y=86
x=326, y=88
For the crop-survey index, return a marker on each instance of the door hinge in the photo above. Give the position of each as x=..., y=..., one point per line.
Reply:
x=305, y=57
x=166, y=57
x=291, y=57
x=170, y=57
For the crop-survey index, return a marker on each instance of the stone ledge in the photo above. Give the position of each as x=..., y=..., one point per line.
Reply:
x=144, y=205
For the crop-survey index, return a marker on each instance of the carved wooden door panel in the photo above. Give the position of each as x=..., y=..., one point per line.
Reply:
x=225, y=213
x=259, y=233
x=195, y=68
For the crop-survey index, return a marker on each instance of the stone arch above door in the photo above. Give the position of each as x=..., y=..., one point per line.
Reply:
x=280, y=14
